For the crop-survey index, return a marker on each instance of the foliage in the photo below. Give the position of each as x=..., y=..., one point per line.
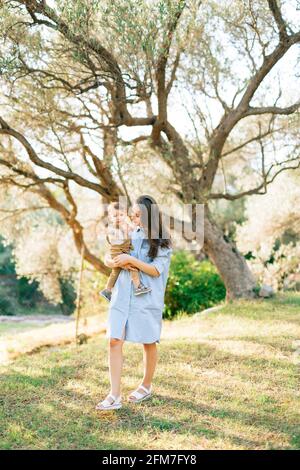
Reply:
x=28, y=293
x=6, y=307
x=91, y=301
x=18, y=292
x=270, y=235
x=229, y=215
x=7, y=265
x=39, y=244
x=68, y=295
x=192, y=285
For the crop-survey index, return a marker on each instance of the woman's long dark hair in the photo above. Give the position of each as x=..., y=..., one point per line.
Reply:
x=151, y=220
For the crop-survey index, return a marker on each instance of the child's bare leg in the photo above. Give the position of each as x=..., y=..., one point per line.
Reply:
x=135, y=278
x=139, y=287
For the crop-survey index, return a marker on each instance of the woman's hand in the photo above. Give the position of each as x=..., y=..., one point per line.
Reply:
x=129, y=267
x=121, y=260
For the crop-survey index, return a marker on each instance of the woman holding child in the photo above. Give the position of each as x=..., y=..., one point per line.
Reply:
x=140, y=260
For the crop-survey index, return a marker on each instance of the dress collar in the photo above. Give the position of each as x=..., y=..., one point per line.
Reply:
x=140, y=233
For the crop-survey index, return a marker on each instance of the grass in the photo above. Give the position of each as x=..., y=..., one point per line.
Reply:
x=227, y=380
x=12, y=328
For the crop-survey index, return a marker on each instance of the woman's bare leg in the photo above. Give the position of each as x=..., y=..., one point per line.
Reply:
x=150, y=361
x=115, y=362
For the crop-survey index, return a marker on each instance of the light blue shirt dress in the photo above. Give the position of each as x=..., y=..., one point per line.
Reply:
x=141, y=315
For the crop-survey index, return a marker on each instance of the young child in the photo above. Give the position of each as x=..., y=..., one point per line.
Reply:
x=118, y=237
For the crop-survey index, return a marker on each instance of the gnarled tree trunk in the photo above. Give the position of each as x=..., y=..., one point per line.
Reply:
x=232, y=266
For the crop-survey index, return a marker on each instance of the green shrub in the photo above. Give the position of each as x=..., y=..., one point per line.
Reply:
x=5, y=307
x=192, y=285
x=27, y=292
x=68, y=296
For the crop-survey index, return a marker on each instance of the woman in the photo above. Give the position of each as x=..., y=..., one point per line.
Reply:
x=138, y=318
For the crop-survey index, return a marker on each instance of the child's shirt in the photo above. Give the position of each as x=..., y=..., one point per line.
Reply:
x=118, y=235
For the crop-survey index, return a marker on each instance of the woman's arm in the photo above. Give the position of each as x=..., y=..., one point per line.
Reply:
x=111, y=263
x=122, y=260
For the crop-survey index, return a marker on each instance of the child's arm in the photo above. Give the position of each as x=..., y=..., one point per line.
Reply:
x=108, y=261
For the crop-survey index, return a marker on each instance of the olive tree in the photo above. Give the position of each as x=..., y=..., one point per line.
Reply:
x=79, y=77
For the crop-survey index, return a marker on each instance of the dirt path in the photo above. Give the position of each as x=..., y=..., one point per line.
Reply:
x=61, y=330
x=38, y=319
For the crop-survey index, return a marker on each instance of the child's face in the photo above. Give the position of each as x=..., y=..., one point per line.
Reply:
x=136, y=215
x=117, y=216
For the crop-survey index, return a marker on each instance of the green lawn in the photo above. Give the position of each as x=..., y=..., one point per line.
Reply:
x=229, y=380
x=14, y=327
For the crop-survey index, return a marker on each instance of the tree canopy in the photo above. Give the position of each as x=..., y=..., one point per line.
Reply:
x=207, y=92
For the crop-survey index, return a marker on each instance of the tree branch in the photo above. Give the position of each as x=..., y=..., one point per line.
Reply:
x=160, y=72
x=272, y=110
x=105, y=58
x=281, y=25
x=5, y=129
x=249, y=141
x=263, y=185
x=230, y=119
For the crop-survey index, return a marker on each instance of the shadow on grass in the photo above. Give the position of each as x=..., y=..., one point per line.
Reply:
x=44, y=415
x=27, y=425
x=39, y=411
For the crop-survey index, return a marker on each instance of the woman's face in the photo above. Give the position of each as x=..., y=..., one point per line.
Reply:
x=136, y=215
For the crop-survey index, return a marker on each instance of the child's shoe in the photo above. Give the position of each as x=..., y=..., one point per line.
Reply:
x=106, y=293
x=141, y=289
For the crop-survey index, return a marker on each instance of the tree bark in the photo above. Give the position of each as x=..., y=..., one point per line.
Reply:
x=232, y=266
